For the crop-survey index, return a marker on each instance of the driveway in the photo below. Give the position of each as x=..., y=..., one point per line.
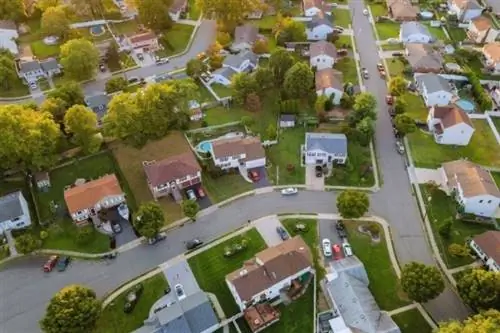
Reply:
x=425, y=176
x=203, y=202
x=127, y=234
x=312, y=182
x=263, y=181
x=327, y=230
x=267, y=229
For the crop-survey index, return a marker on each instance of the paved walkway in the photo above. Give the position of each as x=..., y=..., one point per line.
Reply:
x=463, y=268
x=402, y=309
x=11, y=242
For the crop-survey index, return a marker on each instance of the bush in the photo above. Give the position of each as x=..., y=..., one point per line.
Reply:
x=43, y=234
x=458, y=250
x=445, y=230
x=374, y=229
x=84, y=235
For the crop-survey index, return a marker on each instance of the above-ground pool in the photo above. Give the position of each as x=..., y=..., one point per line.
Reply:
x=466, y=105
x=204, y=147
x=97, y=30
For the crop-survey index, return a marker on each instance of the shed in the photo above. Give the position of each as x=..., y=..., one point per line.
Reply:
x=287, y=120
x=42, y=180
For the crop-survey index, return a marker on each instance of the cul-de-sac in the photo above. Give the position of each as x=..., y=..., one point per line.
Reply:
x=244, y=166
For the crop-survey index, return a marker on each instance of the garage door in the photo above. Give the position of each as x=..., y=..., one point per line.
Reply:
x=256, y=163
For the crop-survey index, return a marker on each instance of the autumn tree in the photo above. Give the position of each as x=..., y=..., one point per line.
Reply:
x=260, y=46
x=279, y=63
x=253, y=103
x=243, y=84
x=223, y=38
x=80, y=59
x=397, y=86
x=27, y=243
x=352, y=204
x=43, y=5
x=190, y=208
x=71, y=93
x=12, y=10
x=73, y=309
x=115, y=84
x=420, y=282
x=149, y=219
x=228, y=13
x=55, y=21
x=404, y=124
x=484, y=322
x=8, y=75
x=155, y=14
x=299, y=81
x=56, y=107
x=289, y=30
x=458, y=250
x=81, y=122
x=195, y=67
x=480, y=289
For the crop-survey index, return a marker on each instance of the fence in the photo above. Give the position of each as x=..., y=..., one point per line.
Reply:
x=88, y=24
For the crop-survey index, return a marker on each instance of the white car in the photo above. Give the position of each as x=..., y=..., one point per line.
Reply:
x=179, y=291
x=191, y=195
x=162, y=61
x=289, y=191
x=393, y=41
x=347, y=249
x=365, y=12
x=327, y=247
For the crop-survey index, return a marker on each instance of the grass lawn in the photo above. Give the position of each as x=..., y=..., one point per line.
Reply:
x=221, y=115
x=496, y=176
x=496, y=121
x=178, y=37
x=378, y=9
x=225, y=187
x=211, y=267
x=393, y=47
x=395, y=66
x=412, y=321
x=456, y=34
x=347, y=66
x=416, y=107
x=384, y=283
x=438, y=33
x=221, y=90
x=114, y=320
x=194, y=11
x=440, y=210
x=286, y=152
x=482, y=149
x=43, y=51
x=18, y=89
x=204, y=94
x=341, y=17
x=357, y=172
x=125, y=61
x=66, y=239
x=127, y=28
x=43, y=84
x=387, y=30
x=344, y=42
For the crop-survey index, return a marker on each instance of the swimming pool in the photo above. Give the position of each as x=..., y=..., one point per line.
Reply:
x=204, y=147
x=97, y=30
x=466, y=105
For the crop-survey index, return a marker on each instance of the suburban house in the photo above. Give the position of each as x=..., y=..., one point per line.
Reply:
x=245, y=36
x=319, y=27
x=312, y=7
x=245, y=61
x=423, y=58
x=325, y=148
x=494, y=5
x=145, y=40
x=322, y=54
x=435, y=89
x=14, y=212
x=271, y=272
x=32, y=71
x=486, y=247
x=474, y=187
x=402, y=10
x=222, y=76
x=287, y=120
x=8, y=36
x=354, y=308
x=481, y=30
x=177, y=8
x=99, y=104
x=414, y=32
x=171, y=175
x=195, y=112
x=491, y=54
x=465, y=10
x=450, y=125
x=238, y=152
x=85, y=199
x=330, y=82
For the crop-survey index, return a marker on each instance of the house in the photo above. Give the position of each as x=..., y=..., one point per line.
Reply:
x=486, y=247
x=402, y=10
x=325, y=148
x=481, y=30
x=99, y=104
x=287, y=120
x=85, y=200
x=32, y=71
x=450, y=125
x=177, y=8
x=330, y=82
x=423, y=58
x=245, y=36
x=354, y=308
x=272, y=270
x=494, y=5
x=42, y=180
x=245, y=61
x=172, y=174
x=312, y=7
x=414, y=32
x=8, y=36
x=322, y=54
x=195, y=112
x=222, y=76
x=491, y=52
x=435, y=89
x=465, y=10
x=14, y=212
x=473, y=187
x=145, y=40
x=319, y=27
x=235, y=152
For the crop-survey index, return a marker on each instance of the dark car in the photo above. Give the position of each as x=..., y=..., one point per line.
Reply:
x=117, y=228
x=339, y=225
x=133, y=298
x=159, y=237
x=63, y=263
x=193, y=244
x=319, y=171
x=102, y=68
x=397, y=54
x=282, y=232
x=342, y=233
x=140, y=56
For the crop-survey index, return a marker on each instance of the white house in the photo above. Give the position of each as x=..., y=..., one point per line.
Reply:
x=14, y=212
x=8, y=36
x=222, y=76
x=481, y=30
x=270, y=272
x=325, y=148
x=238, y=152
x=414, y=32
x=245, y=61
x=450, y=125
x=465, y=10
x=31, y=71
x=145, y=40
x=473, y=187
x=322, y=54
x=486, y=247
x=318, y=28
x=312, y=7
x=177, y=8
x=434, y=89
x=330, y=82
x=491, y=54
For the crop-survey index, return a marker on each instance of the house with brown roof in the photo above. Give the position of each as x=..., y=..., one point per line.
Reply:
x=270, y=272
x=329, y=81
x=238, y=152
x=173, y=174
x=401, y=10
x=423, y=58
x=322, y=54
x=85, y=200
x=472, y=186
x=145, y=40
x=491, y=53
x=487, y=247
x=177, y=8
x=450, y=125
x=481, y=30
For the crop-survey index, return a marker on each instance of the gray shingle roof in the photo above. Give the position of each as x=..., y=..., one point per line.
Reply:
x=433, y=83
x=331, y=143
x=226, y=72
x=49, y=64
x=411, y=28
x=235, y=60
x=29, y=66
x=287, y=117
x=98, y=103
x=10, y=206
x=318, y=20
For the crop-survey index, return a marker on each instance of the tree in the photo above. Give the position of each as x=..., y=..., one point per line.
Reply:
x=299, y=80
x=289, y=30
x=264, y=78
x=113, y=54
x=480, y=289
x=223, y=38
x=346, y=101
x=195, y=67
x=155, y=14
x=121, y=120
x=404, y=124
x=364, y=106
x=115, y=84
x=80, y=59
x=55, y=21
x=247, y=121
x=420, y=282
x=486, y=321
x=12, y=10
x=149, y=219
x=243, y=84
x=215, y=61
x=82, y=123
x=73, y=309
x=8, y=75
x=279, y=63
x=228, y=13
x=56, y=107
x=365, y=129
x=260, y=46
x=397, y=86
x=445, y=230
x=400, y=105
x=43, y=5
x=319, y=105
x=27, y=243
x=271, y=132
x=458, y=250
x=71, y=93
x=190, y=208
x=252, y=103
x=352, y=204
x=92, y=8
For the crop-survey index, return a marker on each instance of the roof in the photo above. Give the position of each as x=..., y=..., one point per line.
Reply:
x=49, y=64
x=10, y=206
x=142, y=37
x=271, y=266
x=87, y=195
x=329, y=78
x=318, y=20
x=177, y=5
x=473, y=179
x=8, y=43
x=171, y=168
x=489, y=242
x=322, y=48
x=98, y=103
x=451, y=115
x=433, y=83
x=492, y=50
x=402, y=9
x=235, y=60
x=333, y=143
x=482, y=23
x=250, y=146
x=246, y=33
x=412, y=28
x=423, y=56
x=8, y=25
x=226, y=72
x=467, y=4
x=308, y=4
x=494, y=4
x=287, y=117
x=29, y=66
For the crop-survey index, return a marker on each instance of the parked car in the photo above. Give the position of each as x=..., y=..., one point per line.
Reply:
x=364, y=71
x=140, y=56
x=289, y=191
x=365, y=12
x=337, y=251
x=380, y=67
x=338, y=27
x=254, y=176
x=102, y=68
x=391, y=111
x=342, y=52
x=132, y=298
x=393, y=41
x=159, y=237
x=327, y=247
x=49, y=265
x=400, y=147
x=190, y=194
x=117, y=228
x=63, y=263
x=342, y=233
x=201, y=193
x=33, y=85
x=179, y=291
x=133, y=79
x=397, y=54
x=319, y=171
x=282, y=232
x=193, y=244
x=347, y=249
x=389, y=99
x=162, y=61
x=339, y=225
x=338, y=30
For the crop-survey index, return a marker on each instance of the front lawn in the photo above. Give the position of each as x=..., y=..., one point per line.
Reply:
x=496, y=176
x=114, y=320
x=226, y=186
x=178, y=38
x=496, y=121
x=287, y=153
x=412, y=321
x=357, y=172
x=18, y=89
x=482, y=149
x=387, y=30
x=341, y=17
x=210, y=267
x=456, y=34
x=63, y=235
x=378, y=9
x=204, y=94
x=194, y=11
x=221, y=90
x=395, y=66
x=437, y=33
x=416, y=107
x=393, y=47
x=344, y=42
x=347, y=66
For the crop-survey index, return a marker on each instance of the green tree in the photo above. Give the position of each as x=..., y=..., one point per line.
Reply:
x=243, y=84
x=289, y=30
x=264, y=78
x=299, y=80
x=12, y=10
x=346, y=101
x=261, y=46
x=73, y=309
x=43, y=5
x=365, y=129
x=279, y=63
x=149, y=219
x=8, y=75
x=190, y=208
x=71, y=93
x=458, y=250
x=223, y=38
x=397, y=86
x=115, y=84
x=352, y=204
x=404, y=124
x=56, y=107
x=420, y=282
x=55, y=21
x=445, y=230
x=113, y=54
x=271, y=132
x=364, y=106
x=155, y=14
x=121, y=120
x=228, y=13
x=480, y=289
x=80, y=59
x=82, y=123
x=400, y=105
x=319, y=105
x=484, y=322
x=195, y=67
x=247, y=121
x=27, y=243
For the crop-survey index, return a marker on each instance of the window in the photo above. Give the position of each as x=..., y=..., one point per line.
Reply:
x=489, y=201
x=481, y=201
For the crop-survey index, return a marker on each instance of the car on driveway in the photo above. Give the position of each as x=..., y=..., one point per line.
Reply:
x=254, y=176
x=132, y=298
x=282, y=232
x=49, y=265
x=117, y=228
x=397, y=54
x=190, y=194
x=63, y=263
x=179, y=291
x=327, y=247
x=400, y=147
x=365, y=12
x=337, y=251
x=289, y=191
x=318, y=171
x=140, y=56
x=347, y=249
x=193, y=243
x=201, y=193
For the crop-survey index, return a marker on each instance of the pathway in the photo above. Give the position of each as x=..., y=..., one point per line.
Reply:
x=475, y=264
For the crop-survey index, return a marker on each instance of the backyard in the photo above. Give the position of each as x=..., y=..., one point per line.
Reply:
x=437, y=33
x=178, y=38
x=412, y=321
x=387, y=30
x=221, y=90
x=395, y=66
x=341, y=17
x=194, y=11
x=456, y=34
x=222, y=115
x=343, y=42
x=347, y=66
x=378, y=9
x=393, y=47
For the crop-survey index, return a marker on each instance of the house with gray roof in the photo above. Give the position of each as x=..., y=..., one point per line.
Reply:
x=245, y=61
x=423, y=58
x=325, y=148
x=14, y=212
x=435, y=90
x=32, y=71
x=465, y=10
x=319, y=27
x=99, y=104
x=414, y=32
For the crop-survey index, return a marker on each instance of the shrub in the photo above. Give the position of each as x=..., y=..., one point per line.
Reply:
x=458, y=250
x=445, y=230
x=43, y=234
x=374, y=228
x=84, y=235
